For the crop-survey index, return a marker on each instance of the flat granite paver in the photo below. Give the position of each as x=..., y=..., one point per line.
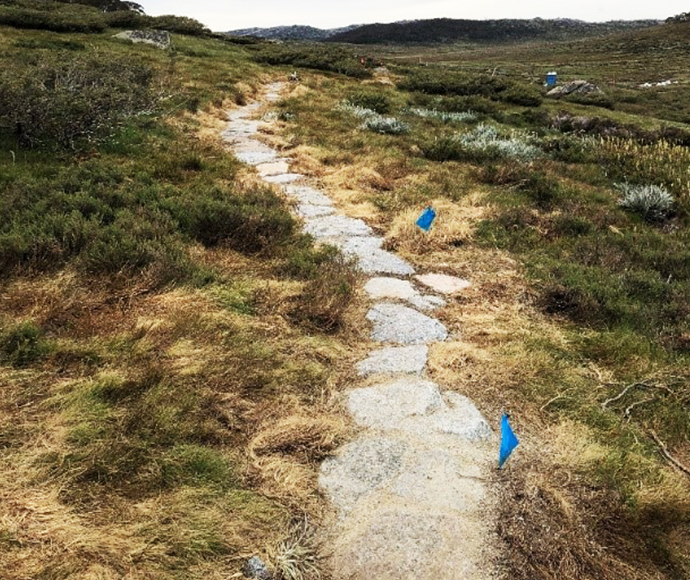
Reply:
x=308, y=210
x=336, y=226
x=398, y=324
x=395, y=359
x=274, y=168
x=443, y=283
x=458, y=416
x=399, y=542
x=306, y=194
x=383, y=287
x=284, y=178
x=254, y=153
x=371, y=259
x=402, y=289
x=385, y=406
x=359, y=467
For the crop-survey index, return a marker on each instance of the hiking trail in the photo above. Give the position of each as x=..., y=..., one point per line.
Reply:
x=412, y=488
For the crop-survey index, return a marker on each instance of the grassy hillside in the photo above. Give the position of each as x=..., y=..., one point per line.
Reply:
x=168, y=339
x=171, y=351
x=443, y=30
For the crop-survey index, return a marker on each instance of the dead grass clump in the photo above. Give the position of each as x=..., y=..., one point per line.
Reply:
x=327, y=296
x=454, y=226
x=305, y=438
x=296, y=557
x=559, y=524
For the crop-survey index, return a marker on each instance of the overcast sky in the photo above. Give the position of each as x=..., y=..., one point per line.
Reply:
x=221, y=15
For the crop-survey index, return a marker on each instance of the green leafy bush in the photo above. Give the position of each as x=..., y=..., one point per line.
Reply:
x=254, y=222
x=461, y=84
x=64, y=99
x=53, y=16
x=377, y=102
x=22, y=344
x=326, y=58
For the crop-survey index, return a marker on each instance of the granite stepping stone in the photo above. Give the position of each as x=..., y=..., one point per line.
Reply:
x=359, y=468
x=308, y=210
x=443, y=284
x=395, y=359
x=459, y=416
x=255, y=155
x=277, y=167
x=371, y=259
x=284, y=178
x=394, y=323
x=385, y=406
x=336, y=226
x=440, y=480
x=400, y=542
x=402, y=289
x=308, y=195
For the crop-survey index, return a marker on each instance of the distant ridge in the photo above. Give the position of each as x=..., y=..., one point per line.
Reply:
x=439, y=30
x=294, y=32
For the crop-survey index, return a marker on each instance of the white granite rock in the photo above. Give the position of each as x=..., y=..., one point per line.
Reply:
x=443, y=283
x=385, y=406
x=395, y=359
x=398, y=324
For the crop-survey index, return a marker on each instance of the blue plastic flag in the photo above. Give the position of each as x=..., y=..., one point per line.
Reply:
x=425, y=220
x=508, y=441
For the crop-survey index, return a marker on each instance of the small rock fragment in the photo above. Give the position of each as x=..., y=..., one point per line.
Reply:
x=255, y=568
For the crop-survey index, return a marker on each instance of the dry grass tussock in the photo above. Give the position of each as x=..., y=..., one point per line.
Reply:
x=557, y=525
x=191, y=369
x=454, y=225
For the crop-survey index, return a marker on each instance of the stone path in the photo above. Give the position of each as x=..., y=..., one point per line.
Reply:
x=411, y=489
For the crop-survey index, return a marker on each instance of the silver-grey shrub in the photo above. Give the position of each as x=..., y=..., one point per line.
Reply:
x=386, y=125
x=443, y=116
x=651, y=202
x=485, y=138
x=374, y=121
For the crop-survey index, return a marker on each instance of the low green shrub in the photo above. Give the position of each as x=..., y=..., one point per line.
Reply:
x=22, y=344
x=523, y=95
x=53, y=16
x=461, y=84
x=63, y=100
x=321, y=57
x=252, y=222
x=377, y=102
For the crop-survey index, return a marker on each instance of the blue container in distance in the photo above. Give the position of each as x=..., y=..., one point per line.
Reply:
x=551, y=78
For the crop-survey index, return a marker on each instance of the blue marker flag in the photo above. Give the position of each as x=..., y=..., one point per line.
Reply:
x=508, y=441
x=425, y=220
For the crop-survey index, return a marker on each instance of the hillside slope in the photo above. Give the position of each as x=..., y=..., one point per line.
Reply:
x=294, y=32
x=507, y=30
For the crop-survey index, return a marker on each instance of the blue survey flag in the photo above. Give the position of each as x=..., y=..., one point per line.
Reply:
x=427, y=218
x=508, y=441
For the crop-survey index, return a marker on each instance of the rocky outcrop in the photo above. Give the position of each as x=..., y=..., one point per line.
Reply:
x=579, y=87
x=158, y=38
